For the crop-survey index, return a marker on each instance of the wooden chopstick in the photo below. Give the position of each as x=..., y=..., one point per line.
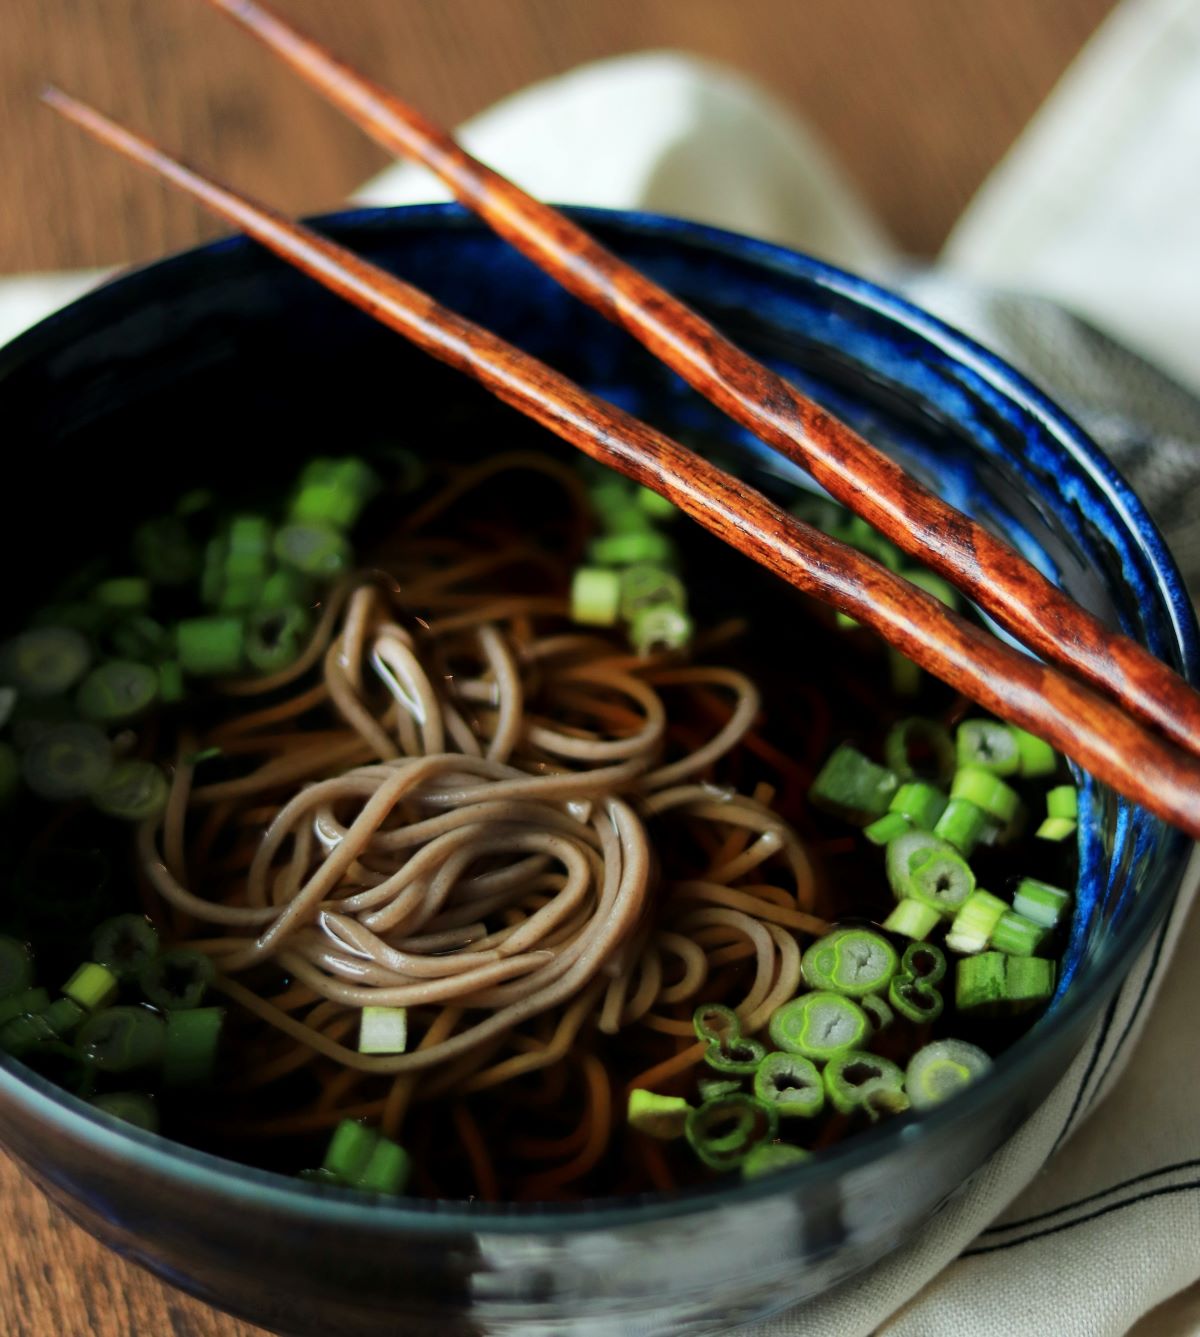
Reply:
x=1076, y=720
x=982, y=566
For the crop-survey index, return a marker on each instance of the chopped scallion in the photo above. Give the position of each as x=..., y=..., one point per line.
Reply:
x=16, y=967
x=790, y=1084
x=1018, y=935
x=45, y=661
x=851, y=961
x=67, y=761
x=125, y=943
x=134, y=790
x=987, y=745
x=912, y=919
x=962, y=823
x=177, y=979
x=190, y=1046
x=117, y=691
x=595, y=596
x=987, y=791
x=769, y=1157
x=722, y=1132
x=941, y=1070
x=852, y=786
x=975, y=922
x=1037, y=756
x=919, y=748
x=658, y=1116
x=93, y=986
x=383, y=1030
x=1041, y=903
x=864, y=1082
x=120, y=1039
x=819, y=1025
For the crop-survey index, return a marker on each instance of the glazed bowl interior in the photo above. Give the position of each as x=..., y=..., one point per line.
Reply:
x=223, y=367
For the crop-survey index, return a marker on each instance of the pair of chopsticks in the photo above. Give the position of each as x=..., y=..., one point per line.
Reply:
x=1100, y=729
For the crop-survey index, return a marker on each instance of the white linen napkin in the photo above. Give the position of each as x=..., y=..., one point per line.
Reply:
x=1080, y=1225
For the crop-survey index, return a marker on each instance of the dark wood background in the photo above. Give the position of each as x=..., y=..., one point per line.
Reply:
x=917, y=98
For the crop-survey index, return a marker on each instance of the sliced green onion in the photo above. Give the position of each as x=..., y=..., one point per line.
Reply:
x=10, y=772
x=23, y=1003
x=334, y=492
x=769, y=1157
x=715, y=1021
x=791, y=1085
x=906, y=852
x=1029, y=980
x=877, y=1009
x=656, y=506
x=919, y=748
x=987, y=791
x=165, y=551
x=120, y=1039
x=67, y=761
x=1037, y=756
x=709, y=1088
x=134, y=790
x=16, y=967
x=921, y=803
x=940, y=879
x=1040, y=902
x=130, y=1106
x=177, y=979
x=316, y=550
x=349, y=1150
x=285, y=588
x=140, y=638
x=210, y=645
x=595, y=596
x=170, y=681
x=123, y=594
x=645, y=586
x=865, y=1082
x=383, y=1030
x=117, y=691
x=93, y=986
x=125, y=943
x=941, y=1070
x=980, y=984
x=722, y=1132
x=387, y=1171
x=63, y=1016
x=911, y=919
x=212, y=576
x=975, y=923
x=1018, y=935
x=736, y=1054
x=658, y=628
x=987, y=745
x=851, y=961
x=361, y=1158
x=45, y=661
x=276, y=636
x=657, y=1116
x=886, y=828
x=1062, y=813
x=819, y=1025
x=962, y=823
x=850, y=785
x=1056, y=828
x=924, y=961
x=629, y=549
x=190, y=1047
x=915, y=999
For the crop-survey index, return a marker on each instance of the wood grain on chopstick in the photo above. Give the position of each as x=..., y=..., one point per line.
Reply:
x=1075, y=719
x=982, y=566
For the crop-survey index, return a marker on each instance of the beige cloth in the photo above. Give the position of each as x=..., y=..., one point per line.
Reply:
x=1098, y=207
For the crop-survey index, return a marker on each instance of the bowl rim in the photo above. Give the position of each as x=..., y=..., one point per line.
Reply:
x=51, y=1105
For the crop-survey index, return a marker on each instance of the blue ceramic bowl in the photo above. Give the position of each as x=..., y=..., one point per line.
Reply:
x=127, y=396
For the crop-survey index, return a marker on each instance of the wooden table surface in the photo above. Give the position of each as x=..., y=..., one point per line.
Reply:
x=917, y=99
